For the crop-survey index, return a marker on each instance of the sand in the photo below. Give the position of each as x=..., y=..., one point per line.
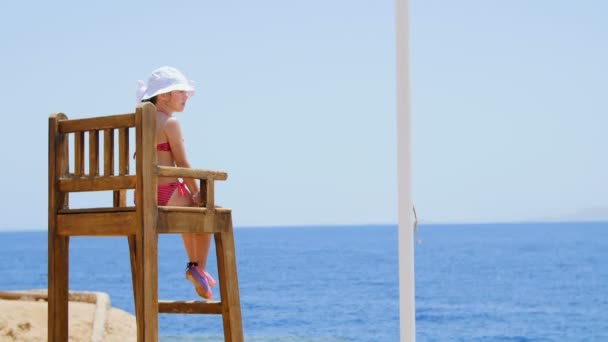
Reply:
x=24, y=320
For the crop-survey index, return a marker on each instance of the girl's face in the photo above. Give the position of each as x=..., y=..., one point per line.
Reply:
x=175, y=101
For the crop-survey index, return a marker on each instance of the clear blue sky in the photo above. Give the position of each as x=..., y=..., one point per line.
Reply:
x=296, y=100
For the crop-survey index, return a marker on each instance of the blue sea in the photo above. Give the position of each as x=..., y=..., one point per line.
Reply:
x=483, y=282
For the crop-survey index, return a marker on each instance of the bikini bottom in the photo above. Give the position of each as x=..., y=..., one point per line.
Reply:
x=165, y=191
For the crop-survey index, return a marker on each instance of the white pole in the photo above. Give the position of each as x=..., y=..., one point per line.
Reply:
x=407, y=306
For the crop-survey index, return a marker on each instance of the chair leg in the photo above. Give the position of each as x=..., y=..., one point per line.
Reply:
x=58, y=288
x=138, y=288
x=133, y=258
x=229, y=284
x=147, y=272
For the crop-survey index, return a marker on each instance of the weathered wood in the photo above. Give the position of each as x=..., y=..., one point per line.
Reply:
x=62, y=158
x=123, y=151
x=170, y=222
x=203, y=193
x=93, y=153
x=224, y=212
x=78, y=154
x=108, y=152
x=210, y=203
x=139, y=286
x=58, y=247
x=189, y=307
x=60, y=280
x=209, y=194
x=120, y=197
x=166, y=171
x=229, y=285
x=139, y=238
x=146, y=119
x=99, y=123
x=102, y=210
x=97, y=224
x=97, y=183
x=134, y=280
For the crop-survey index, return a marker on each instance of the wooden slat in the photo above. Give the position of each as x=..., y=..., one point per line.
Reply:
x=94, y=153
x=123, y=151
x=97, y=183
x=97, y=224
x=170, y=222
x=79, y=154
x=209, y=201
x=63, y=164
x=108, y=152
x=203, y=189
x=223, y=212
x=120, y=196
x=182, y=172
x=209, y=194
x=100, y=122
x=189, y=307
x=97, y=210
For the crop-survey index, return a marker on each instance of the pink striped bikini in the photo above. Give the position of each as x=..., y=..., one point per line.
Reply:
x=165, y=191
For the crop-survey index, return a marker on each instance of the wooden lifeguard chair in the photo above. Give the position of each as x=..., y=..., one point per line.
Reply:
x=140, y=223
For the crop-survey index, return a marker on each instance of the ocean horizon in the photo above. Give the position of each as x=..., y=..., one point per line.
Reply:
x=474, y=282
x=425, y=223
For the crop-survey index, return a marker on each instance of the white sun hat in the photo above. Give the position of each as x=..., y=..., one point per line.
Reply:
x=163, y=80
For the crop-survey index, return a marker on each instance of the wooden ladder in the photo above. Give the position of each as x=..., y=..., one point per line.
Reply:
x=140, y=223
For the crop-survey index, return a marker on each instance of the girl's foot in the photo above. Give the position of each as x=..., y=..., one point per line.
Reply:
x=201, y=285
x=208, y=276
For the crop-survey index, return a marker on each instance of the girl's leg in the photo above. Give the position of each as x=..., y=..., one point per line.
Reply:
x=179, y=200
x=196, y=245
x=202, y=243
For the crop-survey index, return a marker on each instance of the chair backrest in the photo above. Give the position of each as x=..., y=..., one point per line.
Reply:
x=107, y=171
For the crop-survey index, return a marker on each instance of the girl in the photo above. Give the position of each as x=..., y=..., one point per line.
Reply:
x=168, y=89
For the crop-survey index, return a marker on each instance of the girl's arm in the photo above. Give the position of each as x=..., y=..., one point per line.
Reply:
x=178, y=150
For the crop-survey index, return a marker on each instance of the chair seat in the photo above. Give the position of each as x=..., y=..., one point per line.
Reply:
x=192, y=220
x=118, y=221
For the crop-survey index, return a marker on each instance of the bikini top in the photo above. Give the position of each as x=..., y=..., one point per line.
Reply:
x=163, y=147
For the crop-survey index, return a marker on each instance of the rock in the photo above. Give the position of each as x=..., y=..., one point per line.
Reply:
x=26, y=320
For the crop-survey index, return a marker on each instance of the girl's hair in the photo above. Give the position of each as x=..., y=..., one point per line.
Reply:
x=152, y=99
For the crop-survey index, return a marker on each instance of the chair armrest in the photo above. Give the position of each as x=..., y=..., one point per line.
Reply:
x=182, y=172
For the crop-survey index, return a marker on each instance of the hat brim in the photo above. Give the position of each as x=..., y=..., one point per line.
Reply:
x=181, y=87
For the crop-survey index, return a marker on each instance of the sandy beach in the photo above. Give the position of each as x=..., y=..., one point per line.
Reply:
x=26, y=320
